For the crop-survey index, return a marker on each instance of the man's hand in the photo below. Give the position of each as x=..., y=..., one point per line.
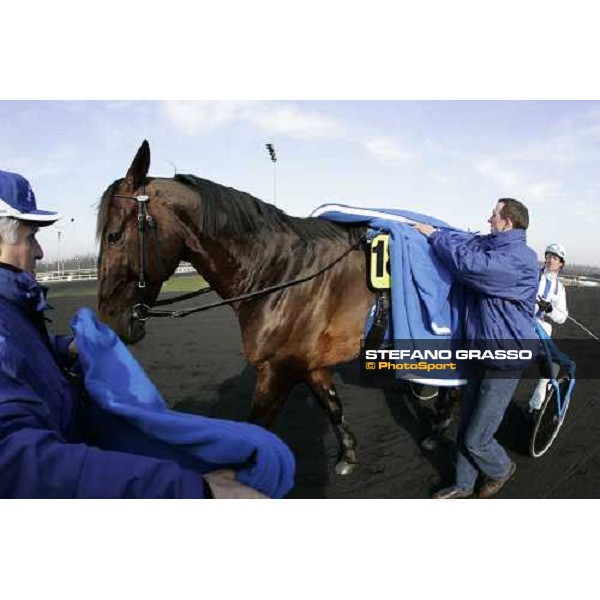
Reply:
x=72, y=349
x=544, y=305
x=426, y=230
x=224, y=485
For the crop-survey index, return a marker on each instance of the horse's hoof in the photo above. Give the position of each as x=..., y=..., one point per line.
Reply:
x=345, y=468
x=443, y=425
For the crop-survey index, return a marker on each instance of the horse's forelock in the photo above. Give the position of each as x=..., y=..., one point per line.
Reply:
x=104, y=207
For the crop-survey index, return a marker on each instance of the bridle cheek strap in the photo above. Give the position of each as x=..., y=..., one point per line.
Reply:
x=142, y=202
x=143, y=216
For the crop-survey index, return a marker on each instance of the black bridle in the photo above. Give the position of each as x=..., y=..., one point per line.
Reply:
x=143, y=217
x=142, y=311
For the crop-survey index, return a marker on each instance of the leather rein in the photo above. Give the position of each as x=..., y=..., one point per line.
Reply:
x=142, y=311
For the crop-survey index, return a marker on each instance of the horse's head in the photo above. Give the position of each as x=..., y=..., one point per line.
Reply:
x=140, y=246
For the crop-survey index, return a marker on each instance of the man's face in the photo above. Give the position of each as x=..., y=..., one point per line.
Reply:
x=497, y=222
x=25, y=252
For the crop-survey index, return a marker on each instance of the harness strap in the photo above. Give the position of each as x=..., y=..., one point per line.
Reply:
x=142, y=312
x=187, y=296
x=376, y=334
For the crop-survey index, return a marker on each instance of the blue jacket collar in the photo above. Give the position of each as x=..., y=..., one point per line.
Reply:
x=507, y=238
x=22, y=289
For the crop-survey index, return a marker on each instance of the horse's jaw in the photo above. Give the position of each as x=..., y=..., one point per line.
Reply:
x=134, y=331
x=127, y=327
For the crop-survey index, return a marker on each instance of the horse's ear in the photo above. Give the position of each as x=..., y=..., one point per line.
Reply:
x=138, y=170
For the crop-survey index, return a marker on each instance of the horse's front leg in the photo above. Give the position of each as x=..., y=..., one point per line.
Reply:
x=321, y=384
x=271, y=390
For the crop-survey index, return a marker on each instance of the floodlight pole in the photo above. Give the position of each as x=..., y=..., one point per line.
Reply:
x=59, y=233
x=58, y=253
x=273, y=156
x=275, y=182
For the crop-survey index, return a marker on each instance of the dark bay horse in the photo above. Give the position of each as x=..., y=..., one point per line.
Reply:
x=240, y=244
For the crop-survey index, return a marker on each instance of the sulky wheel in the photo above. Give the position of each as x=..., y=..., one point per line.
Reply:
x=546, y=424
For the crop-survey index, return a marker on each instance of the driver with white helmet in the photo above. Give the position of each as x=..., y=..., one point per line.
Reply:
x=551, y=307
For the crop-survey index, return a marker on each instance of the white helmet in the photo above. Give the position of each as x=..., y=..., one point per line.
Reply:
x=557, y=249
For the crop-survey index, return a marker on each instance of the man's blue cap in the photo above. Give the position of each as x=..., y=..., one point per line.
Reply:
x=17, y=200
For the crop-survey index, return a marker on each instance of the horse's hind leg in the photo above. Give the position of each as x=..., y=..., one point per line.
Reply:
x=321, y=384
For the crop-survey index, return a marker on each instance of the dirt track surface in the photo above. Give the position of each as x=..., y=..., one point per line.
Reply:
x=198, y=365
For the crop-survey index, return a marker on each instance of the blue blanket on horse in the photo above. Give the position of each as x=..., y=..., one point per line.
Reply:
x=116, y=382
x=424, y=303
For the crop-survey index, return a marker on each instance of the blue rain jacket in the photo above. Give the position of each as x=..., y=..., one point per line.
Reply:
x=500, y=276
x=52, y=443
x=43, y=449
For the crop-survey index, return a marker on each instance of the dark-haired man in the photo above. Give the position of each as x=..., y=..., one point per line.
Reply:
x=499, y=273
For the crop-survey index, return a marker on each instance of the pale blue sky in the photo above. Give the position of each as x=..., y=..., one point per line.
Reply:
x=450, y=159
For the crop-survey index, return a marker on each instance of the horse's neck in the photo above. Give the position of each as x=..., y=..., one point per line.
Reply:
x=235, y=267
x=231, y=267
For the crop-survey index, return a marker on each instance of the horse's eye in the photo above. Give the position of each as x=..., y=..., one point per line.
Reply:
x=113, y=237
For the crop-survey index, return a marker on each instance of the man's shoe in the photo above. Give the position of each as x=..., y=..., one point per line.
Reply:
x=452, y=493
x=493, y=486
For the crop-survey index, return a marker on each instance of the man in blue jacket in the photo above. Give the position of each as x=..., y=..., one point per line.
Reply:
x=44, y=451
x=499, y=273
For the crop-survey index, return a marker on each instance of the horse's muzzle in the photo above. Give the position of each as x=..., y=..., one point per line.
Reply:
x=135, y=330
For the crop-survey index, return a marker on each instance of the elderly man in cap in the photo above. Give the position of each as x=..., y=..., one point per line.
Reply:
x=43, y=449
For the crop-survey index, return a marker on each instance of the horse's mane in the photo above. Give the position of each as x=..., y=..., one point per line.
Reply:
x=227, y=211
